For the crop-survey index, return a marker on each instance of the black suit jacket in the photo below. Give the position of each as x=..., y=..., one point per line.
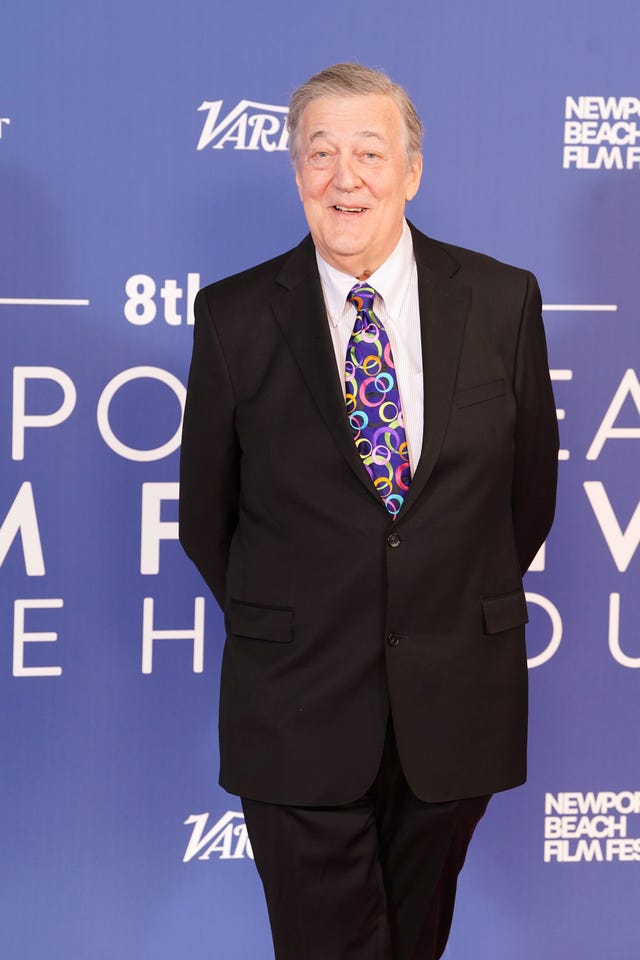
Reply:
x=335, y=614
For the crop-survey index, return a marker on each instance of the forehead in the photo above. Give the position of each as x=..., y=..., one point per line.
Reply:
x=370, y=114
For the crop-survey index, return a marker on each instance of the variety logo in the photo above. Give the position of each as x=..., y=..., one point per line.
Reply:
x=4, y=121
x=591, y=826
x=249, y=126
x=227, y=839
x=601, y=132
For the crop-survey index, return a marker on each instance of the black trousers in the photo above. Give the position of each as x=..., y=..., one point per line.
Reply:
x=373, y=880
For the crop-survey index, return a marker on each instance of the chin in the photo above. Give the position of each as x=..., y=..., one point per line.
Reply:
x=348, y=246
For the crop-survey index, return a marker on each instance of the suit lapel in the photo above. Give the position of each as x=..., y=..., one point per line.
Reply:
x=444, y=303
x=301, y=314
x=442, y=321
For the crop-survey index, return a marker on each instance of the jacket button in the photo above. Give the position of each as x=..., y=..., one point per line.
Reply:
x=393, y=540
x=393, y=639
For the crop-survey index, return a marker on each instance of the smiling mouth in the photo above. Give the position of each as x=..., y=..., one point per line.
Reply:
x=340, y=209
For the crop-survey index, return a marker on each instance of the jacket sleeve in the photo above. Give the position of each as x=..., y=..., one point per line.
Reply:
x=536, y=438
x=210, y=456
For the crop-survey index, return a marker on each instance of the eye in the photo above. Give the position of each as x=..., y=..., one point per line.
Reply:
x=319, y=156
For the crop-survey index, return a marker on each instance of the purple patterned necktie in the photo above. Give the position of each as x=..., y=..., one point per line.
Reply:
x=373, y=403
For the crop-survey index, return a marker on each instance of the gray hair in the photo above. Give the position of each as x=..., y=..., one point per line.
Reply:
x=352, y=79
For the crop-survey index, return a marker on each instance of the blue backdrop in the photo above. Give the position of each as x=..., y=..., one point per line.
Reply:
x=141, y=155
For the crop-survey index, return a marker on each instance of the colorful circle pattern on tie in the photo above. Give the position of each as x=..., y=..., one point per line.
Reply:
x=373, y=403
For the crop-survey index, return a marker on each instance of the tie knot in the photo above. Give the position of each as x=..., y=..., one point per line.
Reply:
x=362, y=296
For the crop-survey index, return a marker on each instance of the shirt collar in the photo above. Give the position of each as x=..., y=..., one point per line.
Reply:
x=390, y=280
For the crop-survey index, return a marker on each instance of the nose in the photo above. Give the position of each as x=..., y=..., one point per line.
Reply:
x=345, y=174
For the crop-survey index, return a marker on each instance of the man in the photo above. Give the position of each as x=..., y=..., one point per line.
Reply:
x=368, y=468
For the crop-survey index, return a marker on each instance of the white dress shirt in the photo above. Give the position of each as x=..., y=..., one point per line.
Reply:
x=396, y=305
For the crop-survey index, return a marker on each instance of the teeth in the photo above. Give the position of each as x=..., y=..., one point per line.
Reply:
x=350, y=209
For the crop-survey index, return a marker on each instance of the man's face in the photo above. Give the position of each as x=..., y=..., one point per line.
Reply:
x=353, y=179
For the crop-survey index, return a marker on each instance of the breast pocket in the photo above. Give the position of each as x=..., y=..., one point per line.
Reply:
x=481, y=393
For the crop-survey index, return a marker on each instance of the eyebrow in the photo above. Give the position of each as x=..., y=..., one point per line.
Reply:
x=371, y=134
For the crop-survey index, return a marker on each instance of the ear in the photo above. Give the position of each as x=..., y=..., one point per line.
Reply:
x=414, y=175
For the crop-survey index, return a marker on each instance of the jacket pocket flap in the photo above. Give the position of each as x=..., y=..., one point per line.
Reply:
x=261, y=623
x=484, y=391
x=505, y=612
